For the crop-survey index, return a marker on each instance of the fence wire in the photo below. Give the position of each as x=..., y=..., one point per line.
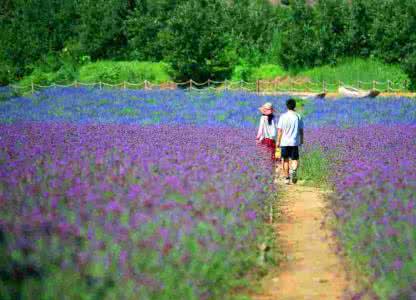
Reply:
x=289, y=85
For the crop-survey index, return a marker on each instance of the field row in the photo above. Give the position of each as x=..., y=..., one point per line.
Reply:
x=114, y=194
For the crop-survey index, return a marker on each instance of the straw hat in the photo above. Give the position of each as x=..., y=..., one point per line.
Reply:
x=266, y=108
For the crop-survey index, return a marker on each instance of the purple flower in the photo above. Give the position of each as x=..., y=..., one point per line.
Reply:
x=251, y=215
x=397, y=265
x=113, y=207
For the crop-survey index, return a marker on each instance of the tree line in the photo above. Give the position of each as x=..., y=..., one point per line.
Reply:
x=202, y=38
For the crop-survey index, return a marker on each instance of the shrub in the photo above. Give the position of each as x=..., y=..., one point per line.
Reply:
x=350, y=70
x=410, y=68
x=131, y=71
x=267, y=71
x=242, y=72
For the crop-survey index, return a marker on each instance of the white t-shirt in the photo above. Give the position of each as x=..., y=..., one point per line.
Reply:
x=290, y=123
x=267, y=130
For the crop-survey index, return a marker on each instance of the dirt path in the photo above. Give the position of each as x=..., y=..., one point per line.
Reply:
x=311, y=270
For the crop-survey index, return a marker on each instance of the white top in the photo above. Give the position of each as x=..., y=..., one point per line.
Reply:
x=266, y=130
x=290, y=123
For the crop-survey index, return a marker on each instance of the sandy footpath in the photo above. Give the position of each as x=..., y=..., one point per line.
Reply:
x=311, y=269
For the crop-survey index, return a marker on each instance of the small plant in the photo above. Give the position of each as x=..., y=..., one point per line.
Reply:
x=314, y=168
x=128, y=112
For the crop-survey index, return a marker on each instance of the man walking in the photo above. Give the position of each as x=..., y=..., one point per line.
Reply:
x=289, y=137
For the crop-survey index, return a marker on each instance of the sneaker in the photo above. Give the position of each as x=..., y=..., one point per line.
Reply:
x=293, y=176
x=287, y=180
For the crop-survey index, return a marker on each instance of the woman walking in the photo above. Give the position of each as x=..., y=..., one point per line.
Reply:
x=267, y=133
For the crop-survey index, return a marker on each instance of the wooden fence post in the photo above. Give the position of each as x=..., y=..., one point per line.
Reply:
x=323, y=86
x=190, y=84
x=388, y=86
x=145, y=84
x=209, y=83
x=76, y=83
x=374, y=85
x=33, y=87
x=101, y=85
x=225, y=85
x=258, y=86
x=124, y=85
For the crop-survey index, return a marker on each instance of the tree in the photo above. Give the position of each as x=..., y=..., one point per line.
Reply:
x=393, y=31
x=362, y=14
x=299, y=46
x=31, y=29
x=102, y=33
x=143, y=26
x=409, y=65
x=331, y=27
x=194, y=37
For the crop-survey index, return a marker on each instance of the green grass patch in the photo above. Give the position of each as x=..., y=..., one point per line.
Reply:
x=252, y=73
x=128, y=112
x=66, y=74
x=355, y=72
x=352, y=70
x=313, y=168
x=119, y=71
x=113, y=72
x=267, y=71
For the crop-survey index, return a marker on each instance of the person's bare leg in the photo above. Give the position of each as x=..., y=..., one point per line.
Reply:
x=286, y=167
x=278, y=167
x=295, y=165
x=293, y=171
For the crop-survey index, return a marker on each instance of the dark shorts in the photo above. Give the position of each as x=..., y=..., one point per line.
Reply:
x=291, y=152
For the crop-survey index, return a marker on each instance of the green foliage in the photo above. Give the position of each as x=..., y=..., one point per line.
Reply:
x=201, y=39
x=242, y=72
x=143, y=27
x=191, y=44
x=215, y=39
x=299, y=46
x=214, y=272
x=6, y=73
x=51, y=68
x=353, y=69
x=31, y=29
x=267, y=71
x=313, y=168
x=393, y=31
x=362, y=15
x=410, y=68
x=101, y=28
x=132, y=71
x=330, y=22
x=348, y=70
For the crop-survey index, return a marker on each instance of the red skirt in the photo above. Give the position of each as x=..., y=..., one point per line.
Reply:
x=270, y=146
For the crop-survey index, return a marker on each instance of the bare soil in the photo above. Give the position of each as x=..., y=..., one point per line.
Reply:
x=311, y=269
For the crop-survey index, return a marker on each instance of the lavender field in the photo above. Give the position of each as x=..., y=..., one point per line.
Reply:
x=108, y=194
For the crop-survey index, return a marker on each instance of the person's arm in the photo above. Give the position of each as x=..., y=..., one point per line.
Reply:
x=301, y=134
x=279, y=137
x=279, y=132
x=261, y=128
